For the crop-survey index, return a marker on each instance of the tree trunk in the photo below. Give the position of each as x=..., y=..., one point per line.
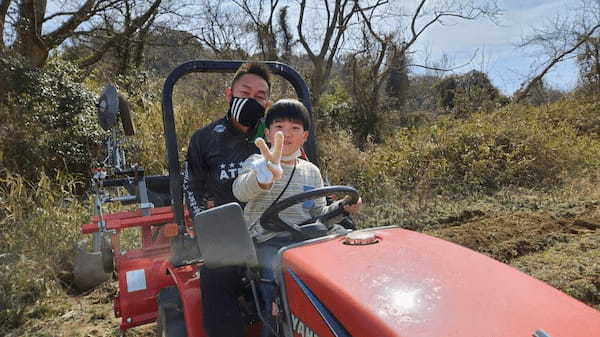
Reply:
x=4, y=4
x=317, y=87
x=29, y=32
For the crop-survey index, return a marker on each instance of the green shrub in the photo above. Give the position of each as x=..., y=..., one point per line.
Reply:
x=418, y=174
x=48, y=119
x=191, y=113
x=487, y=152
x=20, y=287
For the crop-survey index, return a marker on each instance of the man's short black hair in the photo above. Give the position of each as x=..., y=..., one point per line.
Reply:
x=253, y=68
x=288, y=110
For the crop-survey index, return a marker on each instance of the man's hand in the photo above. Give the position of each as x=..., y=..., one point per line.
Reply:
x=268, y=169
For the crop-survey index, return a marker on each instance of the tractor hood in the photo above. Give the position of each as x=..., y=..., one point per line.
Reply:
x=413, y=285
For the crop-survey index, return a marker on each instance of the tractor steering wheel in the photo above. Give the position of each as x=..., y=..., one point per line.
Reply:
x=271, y=220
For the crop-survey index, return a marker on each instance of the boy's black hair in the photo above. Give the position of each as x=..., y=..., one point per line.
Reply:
x=253, y=68
x=290, y=110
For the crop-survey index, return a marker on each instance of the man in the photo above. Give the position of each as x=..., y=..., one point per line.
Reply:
x=215, y=156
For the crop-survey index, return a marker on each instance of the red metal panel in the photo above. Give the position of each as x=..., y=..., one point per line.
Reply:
x=153, y=236
x=410, y=284
x=139, y=306
x=121, y=220
x=134, y=213
x=305, y=318
x=187, y=280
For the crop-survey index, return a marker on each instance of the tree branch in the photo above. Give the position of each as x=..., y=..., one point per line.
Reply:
x=134, y=25
x=559, y=58
x=56, y=37
x=96, y=9
x=301, y=37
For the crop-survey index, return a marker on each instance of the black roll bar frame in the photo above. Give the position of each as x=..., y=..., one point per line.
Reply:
x=215, y=66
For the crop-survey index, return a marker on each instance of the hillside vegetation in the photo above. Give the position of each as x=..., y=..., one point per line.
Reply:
x=514, y=181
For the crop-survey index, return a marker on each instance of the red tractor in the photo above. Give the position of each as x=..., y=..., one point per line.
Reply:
x=383, y=281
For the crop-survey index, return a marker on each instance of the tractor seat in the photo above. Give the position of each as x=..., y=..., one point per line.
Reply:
x=158, y=184
x=158, y=190
x=157, y=187
x=223, y=237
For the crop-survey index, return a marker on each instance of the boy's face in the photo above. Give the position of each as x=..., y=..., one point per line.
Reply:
x=293, y=132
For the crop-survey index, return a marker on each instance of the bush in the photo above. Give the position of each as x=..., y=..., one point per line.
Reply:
x=20, y=287
x=48, y=119
x=516, y=146
x=195, y=105
x=468, y=93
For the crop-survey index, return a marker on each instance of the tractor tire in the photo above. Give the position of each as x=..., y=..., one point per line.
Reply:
x=170, y=321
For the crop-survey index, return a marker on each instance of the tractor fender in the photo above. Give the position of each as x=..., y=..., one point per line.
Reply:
x=187, y=281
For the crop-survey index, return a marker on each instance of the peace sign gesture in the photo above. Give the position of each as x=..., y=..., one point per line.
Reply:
x=268, y=169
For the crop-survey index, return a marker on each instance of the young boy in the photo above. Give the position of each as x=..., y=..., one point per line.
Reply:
x=263, y=183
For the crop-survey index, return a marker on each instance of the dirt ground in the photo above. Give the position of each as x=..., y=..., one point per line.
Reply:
x=508, y=237
x=563, y=250
x=86, y=315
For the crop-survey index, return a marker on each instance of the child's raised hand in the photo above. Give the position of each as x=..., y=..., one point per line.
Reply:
x=273, y=156
x=269, y=168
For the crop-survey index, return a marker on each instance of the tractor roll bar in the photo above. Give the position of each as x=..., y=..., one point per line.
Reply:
x=213, y=66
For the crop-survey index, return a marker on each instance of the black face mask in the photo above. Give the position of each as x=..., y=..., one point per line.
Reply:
x=247, y=111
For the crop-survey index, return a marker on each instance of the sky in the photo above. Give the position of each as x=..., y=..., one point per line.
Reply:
x=497, y=54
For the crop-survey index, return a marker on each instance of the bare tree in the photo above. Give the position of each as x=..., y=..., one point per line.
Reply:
x=260, y=28
x=221, y=29
x=560, y=39
x=262, y=25
x=287, y=38
x=589, y=63
x=126, y=40
x=75, y=20
x=387, y=21
x=385, y=49
x=31, y=42
x=338, y=14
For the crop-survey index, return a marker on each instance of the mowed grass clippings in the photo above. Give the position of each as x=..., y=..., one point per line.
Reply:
x=572, y=266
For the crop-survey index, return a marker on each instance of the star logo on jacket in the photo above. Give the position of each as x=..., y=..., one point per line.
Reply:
x=230, y=170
